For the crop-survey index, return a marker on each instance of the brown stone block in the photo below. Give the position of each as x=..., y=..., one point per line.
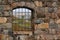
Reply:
x=58, y=21
x=7, y=7
x=49, y=4
x=53, y=16
x=3, y=1
x=6, y=13
x=43, y=25
x=16, y=4
x=22, y=32
x=46, y=19
x=38, y=3
x=28, y=4
x=1, y=36
x=47, y=15
x=3, y=19
x=41, y=15
x=13, y=5
x=22, y=3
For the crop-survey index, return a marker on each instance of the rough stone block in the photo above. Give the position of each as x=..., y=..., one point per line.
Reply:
x=28, y=4
x=1, y=14
x=37, y=3
x=55, y=9
x=3, y=19
x=6, y=13
x=13, y=5
x=10, y=1
x=40, y=9
x=54, y=4
x=7, y=25
x=46, y=9
x=1, y=7
x=22, y=3
x=31, y=5
x=7, y=7
x=43, y=25
x=52, y=31
x=58, y=21
x=3, y=2
x=9, y=20
x=49, y=4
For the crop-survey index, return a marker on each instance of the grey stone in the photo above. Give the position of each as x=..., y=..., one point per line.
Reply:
x=54, y=4
x=1, y=7
x=8, y=25
x=52, y=24
x=5, y=32
x=1, y=14
x=40, y=9
x=50, y=9
x=55, y=9
x=6, y=13
x=38, y=21
x=2, y=26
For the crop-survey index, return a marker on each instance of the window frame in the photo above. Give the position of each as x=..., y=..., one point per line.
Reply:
x=32, y=16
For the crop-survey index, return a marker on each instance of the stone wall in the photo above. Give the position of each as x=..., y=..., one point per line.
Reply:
x=44, y=9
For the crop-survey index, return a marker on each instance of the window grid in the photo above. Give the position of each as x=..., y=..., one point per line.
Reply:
x=22, y=19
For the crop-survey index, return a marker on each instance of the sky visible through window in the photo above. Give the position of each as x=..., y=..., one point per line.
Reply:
x=19, y=12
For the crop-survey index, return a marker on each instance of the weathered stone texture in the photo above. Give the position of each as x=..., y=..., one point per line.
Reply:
x=3, y=19
x=46, y=9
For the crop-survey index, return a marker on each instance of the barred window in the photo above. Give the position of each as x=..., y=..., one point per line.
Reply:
x=22, y=19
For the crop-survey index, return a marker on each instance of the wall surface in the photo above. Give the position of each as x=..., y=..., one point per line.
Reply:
x=46, y=10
